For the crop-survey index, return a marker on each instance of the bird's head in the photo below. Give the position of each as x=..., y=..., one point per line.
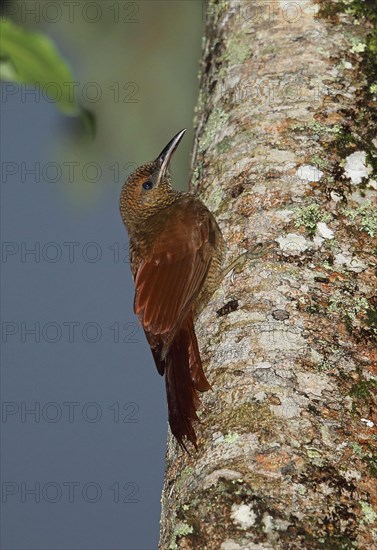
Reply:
x=149, y=188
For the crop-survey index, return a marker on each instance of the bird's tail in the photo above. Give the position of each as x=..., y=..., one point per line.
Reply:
x=184, y=376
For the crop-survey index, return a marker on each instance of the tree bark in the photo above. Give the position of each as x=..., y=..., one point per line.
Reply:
x=284, y=153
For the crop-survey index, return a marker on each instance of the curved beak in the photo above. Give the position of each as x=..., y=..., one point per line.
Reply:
x=164, y=157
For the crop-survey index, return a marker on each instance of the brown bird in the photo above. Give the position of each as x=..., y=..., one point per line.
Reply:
x=176, y=250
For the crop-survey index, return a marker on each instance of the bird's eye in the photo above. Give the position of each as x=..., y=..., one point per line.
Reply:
x=147, y=185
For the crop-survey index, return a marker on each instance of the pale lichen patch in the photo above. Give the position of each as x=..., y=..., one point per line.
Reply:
x=231, y=437
x=243, y=515
x=309, y=173
x=368, y=422
x=230, y=544
x=313, y=383
x=356, y=167
x=293, y=244
x=244, y=544
x=324, y=231
x=370, y=515
x=223, y=473
x=352, y=263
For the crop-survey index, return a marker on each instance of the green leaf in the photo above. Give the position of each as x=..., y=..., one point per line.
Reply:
x=7, y=70
x=32, y=58
x=89, y=121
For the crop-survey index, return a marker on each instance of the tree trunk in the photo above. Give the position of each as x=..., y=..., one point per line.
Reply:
x=284, y=154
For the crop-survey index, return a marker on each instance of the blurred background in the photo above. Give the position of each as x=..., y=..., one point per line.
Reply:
x=84, y=416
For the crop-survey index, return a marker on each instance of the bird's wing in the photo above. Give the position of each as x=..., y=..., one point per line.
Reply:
x=170, y=277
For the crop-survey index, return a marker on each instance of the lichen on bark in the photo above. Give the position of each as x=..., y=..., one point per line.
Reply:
x=288, y=434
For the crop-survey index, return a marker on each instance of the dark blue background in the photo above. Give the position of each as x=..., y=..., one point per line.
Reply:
x=102, y=374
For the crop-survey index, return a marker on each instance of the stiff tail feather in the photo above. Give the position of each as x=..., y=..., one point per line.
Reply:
x=184, y=375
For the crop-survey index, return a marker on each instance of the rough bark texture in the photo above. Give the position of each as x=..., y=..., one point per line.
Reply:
x=285, y=153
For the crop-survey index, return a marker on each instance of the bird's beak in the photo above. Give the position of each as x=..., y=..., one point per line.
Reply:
x=164, y=157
